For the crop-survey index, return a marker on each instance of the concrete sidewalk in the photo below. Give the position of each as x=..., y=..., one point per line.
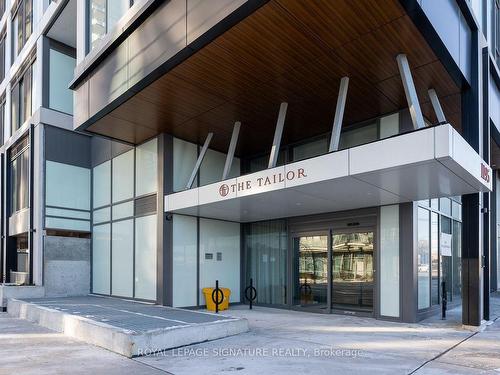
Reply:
x=290, y=342
x=279, y=342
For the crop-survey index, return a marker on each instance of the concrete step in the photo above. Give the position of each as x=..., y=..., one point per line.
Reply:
x=152, y=329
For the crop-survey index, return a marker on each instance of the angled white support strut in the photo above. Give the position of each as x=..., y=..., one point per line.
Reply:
x=200, y=160
x=275, y=149
x=438, y=110
x=339, y=115
x=410, y=92
x=232, y=148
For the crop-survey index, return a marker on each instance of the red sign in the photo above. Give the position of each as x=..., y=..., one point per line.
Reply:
x=485, y=173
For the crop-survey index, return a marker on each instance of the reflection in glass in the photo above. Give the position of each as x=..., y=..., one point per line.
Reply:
x=352, y=270
x=423, y=266
x=434, y=258
x=311, y=257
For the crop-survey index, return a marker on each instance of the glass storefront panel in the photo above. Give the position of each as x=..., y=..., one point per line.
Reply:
x=389, y=261
x=352, y=271
x=434, y=258
x=423, y=259
x=122, y=259
x=101, y=260
x=446, y=260
x=266, y=252
x=311, y=271
x=145, y=257
x=457, y=260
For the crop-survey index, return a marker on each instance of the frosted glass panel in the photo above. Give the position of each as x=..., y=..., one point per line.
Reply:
x=67, y=213
x=220, y=237
x=67, y=186
x=423, y=259
x=123, y=258
x=146, y=168
x=102, y=184
x=185, y=155
x=389, y=125
x=101, y=215
x=61, y=73
x=389, y=261
x=145, y=257
x=123, y=176
x=184, y=255
x=69, y=224
x=213, y=166
x=101, y=258
x=123, y=210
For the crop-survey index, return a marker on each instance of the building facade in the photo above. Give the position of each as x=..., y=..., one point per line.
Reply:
x=341, y=156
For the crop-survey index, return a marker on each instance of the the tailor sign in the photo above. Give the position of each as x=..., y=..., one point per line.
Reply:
x=485, y=173
x=262, y=182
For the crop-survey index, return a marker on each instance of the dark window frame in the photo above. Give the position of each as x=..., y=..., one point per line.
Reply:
x=88, y=25
x=23, y=25
x=22, y=95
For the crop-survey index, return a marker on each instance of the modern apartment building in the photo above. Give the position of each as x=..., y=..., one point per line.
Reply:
x=342, y=155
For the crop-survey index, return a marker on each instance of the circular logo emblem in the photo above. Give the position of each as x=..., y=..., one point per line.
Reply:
x=224, y=190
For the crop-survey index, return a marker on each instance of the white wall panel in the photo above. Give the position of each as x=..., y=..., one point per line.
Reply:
x=220, y=237
x=184, y=259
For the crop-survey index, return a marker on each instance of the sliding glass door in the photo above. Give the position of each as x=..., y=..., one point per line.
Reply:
x=352, y=271
x=310, y=280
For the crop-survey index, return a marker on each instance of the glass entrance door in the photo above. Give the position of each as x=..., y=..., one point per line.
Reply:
x=352, y=271
x=310, y=277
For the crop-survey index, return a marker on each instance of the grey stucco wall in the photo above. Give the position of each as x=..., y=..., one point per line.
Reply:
x=66, y=266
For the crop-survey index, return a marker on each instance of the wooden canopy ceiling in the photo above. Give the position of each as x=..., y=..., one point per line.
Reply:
x=293, y=51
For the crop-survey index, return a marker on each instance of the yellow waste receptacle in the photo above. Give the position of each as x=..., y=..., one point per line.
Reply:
x=224, y=305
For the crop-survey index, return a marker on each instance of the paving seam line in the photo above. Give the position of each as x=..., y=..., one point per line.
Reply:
x=449, y=349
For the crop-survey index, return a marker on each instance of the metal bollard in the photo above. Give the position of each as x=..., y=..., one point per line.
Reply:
x=215, y=296
x=444, y=300
x=253, y=293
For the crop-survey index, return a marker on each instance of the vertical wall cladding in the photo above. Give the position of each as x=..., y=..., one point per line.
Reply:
x=66, y=211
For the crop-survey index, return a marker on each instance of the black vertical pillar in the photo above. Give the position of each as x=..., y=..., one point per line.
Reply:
x=493, y=234
x=164, y=224
x=472, y=215
x=485, y=63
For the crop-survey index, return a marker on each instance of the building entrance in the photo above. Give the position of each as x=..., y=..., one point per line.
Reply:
x=332, y=268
